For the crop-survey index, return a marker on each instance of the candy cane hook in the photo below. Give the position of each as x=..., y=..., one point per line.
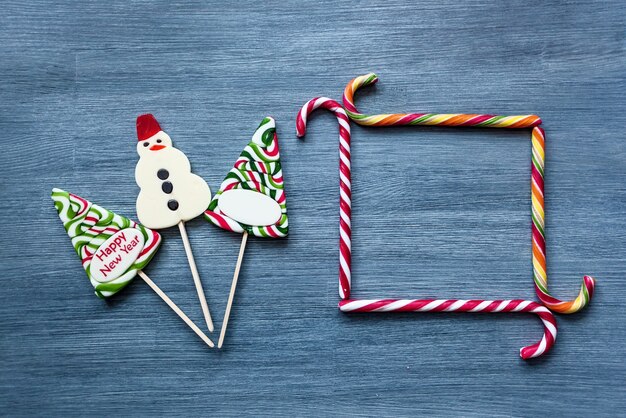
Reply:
x=537, y=182
x=345, y=195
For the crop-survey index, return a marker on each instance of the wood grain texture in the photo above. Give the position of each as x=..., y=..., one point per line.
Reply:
x=437, y=212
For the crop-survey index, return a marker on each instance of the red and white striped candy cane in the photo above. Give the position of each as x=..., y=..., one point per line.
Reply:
x=455, y=305
x=345, y=195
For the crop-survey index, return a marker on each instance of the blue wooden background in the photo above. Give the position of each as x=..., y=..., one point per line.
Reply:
x=438, y=212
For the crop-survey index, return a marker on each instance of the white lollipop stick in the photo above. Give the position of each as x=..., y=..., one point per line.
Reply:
x=244, y=239
x=196, y=276
x=176, y=309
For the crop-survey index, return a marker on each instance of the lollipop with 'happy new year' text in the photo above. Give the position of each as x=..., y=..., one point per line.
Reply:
x=170, y=193
x=113, y=249
x=251, y=199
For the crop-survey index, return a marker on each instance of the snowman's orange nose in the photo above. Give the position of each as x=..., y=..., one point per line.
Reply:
x=156, y=147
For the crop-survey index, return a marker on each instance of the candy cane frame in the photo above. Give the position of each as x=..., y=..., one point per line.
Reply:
x=540, y=275
x=345, y=195
x=407, y=305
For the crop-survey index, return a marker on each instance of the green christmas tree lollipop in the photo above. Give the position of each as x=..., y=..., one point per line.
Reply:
x=251, y=199
x=113, y=249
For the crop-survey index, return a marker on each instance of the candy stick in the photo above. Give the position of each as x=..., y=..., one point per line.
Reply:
x=424, y=305
x=537, y=181
x=455, y=305
x=175, y=308
x=251, y=199
x=113, y=249
x=170, y=194
x=538, y=236
x=233, y=285
x=345, y=195
x=196, y=276
x=428, y=119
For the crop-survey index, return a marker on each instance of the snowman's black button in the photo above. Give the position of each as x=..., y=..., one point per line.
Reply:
x=163, y=174
x=167, y=187
x=172, y=204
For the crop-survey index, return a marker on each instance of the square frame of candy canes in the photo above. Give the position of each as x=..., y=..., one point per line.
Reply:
x=430, y=305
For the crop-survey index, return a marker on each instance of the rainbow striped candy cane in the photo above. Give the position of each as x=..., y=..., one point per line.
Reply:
x=406, y=305
x=429, y=119
x=537, y=181
x=539, y=239
x=345, y=194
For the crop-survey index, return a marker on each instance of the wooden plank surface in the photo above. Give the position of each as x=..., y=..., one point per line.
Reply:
x=437, y=212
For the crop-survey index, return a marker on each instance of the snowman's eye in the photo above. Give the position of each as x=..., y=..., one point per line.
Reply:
x=145, y=144
x=158, y=141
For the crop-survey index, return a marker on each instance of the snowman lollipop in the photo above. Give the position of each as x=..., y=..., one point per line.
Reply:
x=170, y=193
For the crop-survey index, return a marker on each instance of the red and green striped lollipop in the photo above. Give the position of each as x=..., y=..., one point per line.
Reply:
x=251, y=199
x=112, y=248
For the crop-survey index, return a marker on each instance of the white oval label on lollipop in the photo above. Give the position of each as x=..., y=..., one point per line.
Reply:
x=170, y=192
x=249, y=207
x=116, y=255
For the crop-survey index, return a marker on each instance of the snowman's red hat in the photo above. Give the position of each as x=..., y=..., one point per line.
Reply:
x=147, y=126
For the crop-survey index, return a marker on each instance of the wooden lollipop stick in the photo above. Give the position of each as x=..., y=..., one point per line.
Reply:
x=232, y=289
x=196, y=276
x=176, y=309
